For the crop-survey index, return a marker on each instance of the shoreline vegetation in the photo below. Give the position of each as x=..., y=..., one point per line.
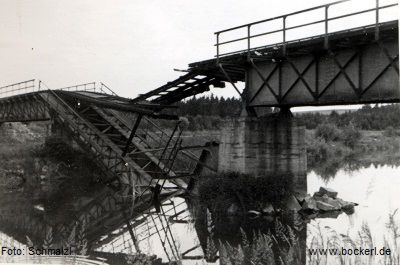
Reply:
x=347, y=139
x=330, y=149
x=285, y=247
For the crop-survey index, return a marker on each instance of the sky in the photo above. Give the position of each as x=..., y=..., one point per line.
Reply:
x=130, y=45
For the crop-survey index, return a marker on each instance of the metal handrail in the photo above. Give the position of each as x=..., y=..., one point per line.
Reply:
x=91, y=87
x=31, y=86
x=106, y=89
x=18, y=88
x=284, y=28
x=81, y=87
x=281, y=16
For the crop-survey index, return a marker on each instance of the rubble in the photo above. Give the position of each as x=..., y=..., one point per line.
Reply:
x=292, y=204
x=309, y=204
x=322, y=204
x=327, y=191
x=325, y=201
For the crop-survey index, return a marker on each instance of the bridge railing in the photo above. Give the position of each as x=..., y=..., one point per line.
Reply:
x=33, y=85
x=278, y=28
x=90, y=87
x=18, y=88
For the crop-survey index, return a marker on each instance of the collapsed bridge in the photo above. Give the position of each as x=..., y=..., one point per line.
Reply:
x=143, y=165
x=142, y=161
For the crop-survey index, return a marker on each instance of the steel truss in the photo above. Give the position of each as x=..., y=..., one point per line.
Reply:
x=325, y=78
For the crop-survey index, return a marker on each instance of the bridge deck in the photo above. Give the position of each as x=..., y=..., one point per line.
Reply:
x=337, y=40
x=234, y=67
x=250, y=63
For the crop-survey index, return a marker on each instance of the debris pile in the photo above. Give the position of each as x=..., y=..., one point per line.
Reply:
x=325, y=203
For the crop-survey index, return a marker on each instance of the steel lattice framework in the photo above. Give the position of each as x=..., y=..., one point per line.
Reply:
x=350, y=66
x=142, y=164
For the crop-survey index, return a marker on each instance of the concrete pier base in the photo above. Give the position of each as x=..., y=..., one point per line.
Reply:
x=260, y=146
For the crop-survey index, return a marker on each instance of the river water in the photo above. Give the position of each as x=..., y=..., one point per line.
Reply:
x=187, y=230
x=374, y=188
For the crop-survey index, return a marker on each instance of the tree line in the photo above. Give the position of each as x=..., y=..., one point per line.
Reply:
x=210, y=106
x=366, y=118
x=208, y=112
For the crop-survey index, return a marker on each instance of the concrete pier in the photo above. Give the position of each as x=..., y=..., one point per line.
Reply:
x=273, y=144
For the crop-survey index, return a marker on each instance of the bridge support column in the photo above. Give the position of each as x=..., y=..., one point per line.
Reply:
x=261, y=146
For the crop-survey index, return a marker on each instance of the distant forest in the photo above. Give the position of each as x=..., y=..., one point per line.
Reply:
x=207, y=113
x=210, y=106
x=366, y=118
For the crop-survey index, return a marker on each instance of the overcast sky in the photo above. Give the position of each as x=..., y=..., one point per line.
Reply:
x=130, y=45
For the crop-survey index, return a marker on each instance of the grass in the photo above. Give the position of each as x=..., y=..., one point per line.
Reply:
x=219, y=191
x=283, y=247
x=327, y=238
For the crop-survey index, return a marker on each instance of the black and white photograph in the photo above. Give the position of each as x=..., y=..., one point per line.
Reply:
x=189, y=132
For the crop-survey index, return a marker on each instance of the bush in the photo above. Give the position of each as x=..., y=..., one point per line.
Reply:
x=328, y=132
x=351, y=136
x=318, y=150
x=218, y=191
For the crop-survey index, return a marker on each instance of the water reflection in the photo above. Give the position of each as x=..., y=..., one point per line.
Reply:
x=328, y=169
x=46, y=203
x=98, y=221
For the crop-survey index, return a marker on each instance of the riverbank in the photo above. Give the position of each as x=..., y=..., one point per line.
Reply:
x=367, y=145
x=327, y=148
x=363, y=143
x=328, y=154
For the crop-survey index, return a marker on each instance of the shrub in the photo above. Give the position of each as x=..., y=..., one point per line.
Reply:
x=351, y=136
x=218, y=191
x=328, y=132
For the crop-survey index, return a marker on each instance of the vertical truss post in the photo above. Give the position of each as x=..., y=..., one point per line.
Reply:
x=326, y=44
x=248, y=40
x=284, y=35
x=138, y=119
x=377, y=20
x=217, y=47
x=360, y=68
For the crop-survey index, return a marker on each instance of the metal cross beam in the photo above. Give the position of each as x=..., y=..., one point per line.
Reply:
x=350, y=74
